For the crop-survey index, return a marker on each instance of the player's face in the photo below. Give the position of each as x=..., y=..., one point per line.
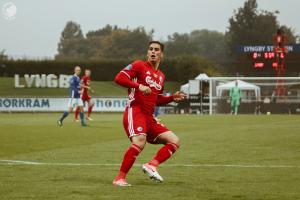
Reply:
x=88, y=73
x=154, y=54
x=77, y=71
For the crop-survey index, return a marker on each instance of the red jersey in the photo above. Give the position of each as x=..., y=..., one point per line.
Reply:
x=141, y=72
x=85, y=81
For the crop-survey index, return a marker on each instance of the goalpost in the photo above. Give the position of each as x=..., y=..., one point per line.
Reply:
x=260, y=95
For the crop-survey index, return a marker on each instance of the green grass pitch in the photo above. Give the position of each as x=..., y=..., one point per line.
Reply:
x=221, y=158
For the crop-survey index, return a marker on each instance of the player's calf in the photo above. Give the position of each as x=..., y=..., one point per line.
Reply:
x=164, y=154
x=77, y=113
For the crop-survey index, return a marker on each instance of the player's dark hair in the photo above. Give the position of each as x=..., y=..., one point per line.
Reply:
x=162, y=46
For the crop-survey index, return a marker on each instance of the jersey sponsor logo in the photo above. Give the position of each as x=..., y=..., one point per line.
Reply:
x=152, y=83
x=12, y=103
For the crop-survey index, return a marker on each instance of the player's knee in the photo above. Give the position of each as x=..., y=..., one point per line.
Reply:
x=175, y=140
x=139, y=141
x=140, y=144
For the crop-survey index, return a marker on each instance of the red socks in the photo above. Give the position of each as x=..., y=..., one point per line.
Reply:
x=90, y=110
x=77, y=112
x=164, y=154
x=128, y=160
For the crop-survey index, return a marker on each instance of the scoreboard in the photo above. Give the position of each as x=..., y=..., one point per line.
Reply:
x=266, y=59
x=270, y=58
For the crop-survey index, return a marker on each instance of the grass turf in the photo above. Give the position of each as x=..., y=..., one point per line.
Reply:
x=219, y=140
x=101, y=88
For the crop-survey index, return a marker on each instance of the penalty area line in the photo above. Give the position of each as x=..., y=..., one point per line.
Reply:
x=22, y=162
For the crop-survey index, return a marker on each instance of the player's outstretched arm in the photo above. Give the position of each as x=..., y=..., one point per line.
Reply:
x=178, y=96
x=163, y=100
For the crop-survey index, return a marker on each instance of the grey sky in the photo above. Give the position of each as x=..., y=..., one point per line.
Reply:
x=36, y=30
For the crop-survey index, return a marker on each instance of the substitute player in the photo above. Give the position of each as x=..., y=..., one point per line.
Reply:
x=85, y=96
x=74, y=99
x=235, y=96
x=145, y=83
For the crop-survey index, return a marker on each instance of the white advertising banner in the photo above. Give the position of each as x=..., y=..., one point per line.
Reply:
x=58, y=104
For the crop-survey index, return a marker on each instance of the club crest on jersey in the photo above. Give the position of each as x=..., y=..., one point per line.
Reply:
x=139, y=129
x=160, y=79
x=152, y=83
x=129, y=67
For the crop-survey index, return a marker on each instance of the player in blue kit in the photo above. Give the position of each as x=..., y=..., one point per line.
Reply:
x=75, y=99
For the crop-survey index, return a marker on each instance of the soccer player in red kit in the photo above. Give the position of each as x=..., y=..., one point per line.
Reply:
x=85, y=85
x=145, y=83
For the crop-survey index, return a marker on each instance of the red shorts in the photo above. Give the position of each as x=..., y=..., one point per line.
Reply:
x=136, y=123
x=86, y=97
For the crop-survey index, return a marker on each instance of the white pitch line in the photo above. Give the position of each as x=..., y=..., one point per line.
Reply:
x=21, y=162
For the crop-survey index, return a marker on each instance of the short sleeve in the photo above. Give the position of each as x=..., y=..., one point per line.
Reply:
x=72, y=80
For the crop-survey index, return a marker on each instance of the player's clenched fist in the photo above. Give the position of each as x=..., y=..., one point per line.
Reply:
x=145, y=89
x=179, y=96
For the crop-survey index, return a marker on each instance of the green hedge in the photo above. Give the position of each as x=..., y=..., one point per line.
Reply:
x=101, y=70
x=180, y=69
